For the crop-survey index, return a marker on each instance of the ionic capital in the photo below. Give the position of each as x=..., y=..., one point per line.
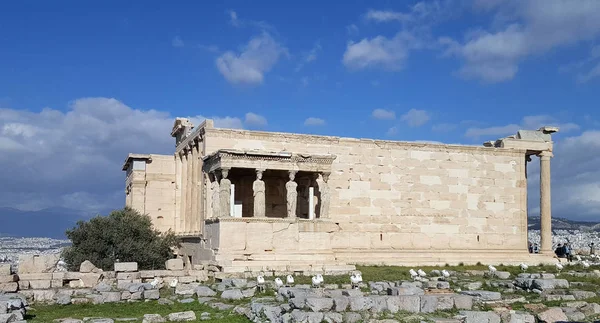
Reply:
x=546, y=155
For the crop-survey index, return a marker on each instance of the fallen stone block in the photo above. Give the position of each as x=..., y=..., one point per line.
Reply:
x=483, y=295
x=582, y=294
x=8, y=287
x=319, y=304
x=153, y=318
x=204, y=291
x=89, y=280
x=552, y=314
x=502, y=274
x=186, y=289
x=545, y=284
x=514, y=317
x=151, y=294
x=88, y=267
x=6, y=318
x=182, y=316
x=590, y=309
x=480, y=317
x=360, y=303
x=232, y=294
x=405, y=290
x=126, y=266
x=111, y=297
x=35, y=276
x=174, y=264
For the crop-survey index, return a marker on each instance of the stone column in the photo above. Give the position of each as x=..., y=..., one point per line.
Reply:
x=225, y=193
x=291, y=188
x=188, y=190
x=194, y=190
x=258, y=188
x=184, y=187
x=545, y=203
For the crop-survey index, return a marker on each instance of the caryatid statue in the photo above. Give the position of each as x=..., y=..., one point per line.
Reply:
x=292, y=195
x=215, y=199
x=225, y=193
x=325, y=195
x=258, y=187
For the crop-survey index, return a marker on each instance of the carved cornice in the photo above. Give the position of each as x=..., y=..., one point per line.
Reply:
x=266, y=220
x=267, y=160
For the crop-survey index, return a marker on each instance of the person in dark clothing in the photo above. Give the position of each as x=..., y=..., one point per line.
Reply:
x=592, y=250
x=568, y=252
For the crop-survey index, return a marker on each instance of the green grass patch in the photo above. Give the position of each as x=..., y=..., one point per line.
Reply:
x=48, y=313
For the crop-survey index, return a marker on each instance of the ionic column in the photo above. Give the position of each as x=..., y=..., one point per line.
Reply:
x=188, y=190
x=545, y=203
x=184, y=187
x=194, y=190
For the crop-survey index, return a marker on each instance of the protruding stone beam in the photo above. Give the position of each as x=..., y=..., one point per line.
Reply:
x=545, y=203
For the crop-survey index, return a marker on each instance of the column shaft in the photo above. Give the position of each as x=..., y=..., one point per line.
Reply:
x=188, y=191
x=194, y=178
x=545, y=204
x=184, y=186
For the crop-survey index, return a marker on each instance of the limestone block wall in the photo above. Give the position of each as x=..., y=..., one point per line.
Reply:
x=151, y=189
x=410, y=196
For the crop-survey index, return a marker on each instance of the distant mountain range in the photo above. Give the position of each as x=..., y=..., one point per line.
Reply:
x=49, y=223
x=565, y=224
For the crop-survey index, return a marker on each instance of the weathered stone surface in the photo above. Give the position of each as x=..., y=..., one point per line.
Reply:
x=126, y=266
x=186, y=289
x=483, y=295
x=151, y=294
x=111, y=297
x=502, y=274
x=182, y=316
x=129, y=276
x=174, y=264
x=8, y=287
x=88, y=267
x=552, y=315
x=590, y=309
x=582, y=294
x=544, y=284
x=102, y=287
x=232, y=294
x=319, y=304
x=480, y=317
x=153, y=318
x=405, y=290
x=8, y=278
x=5, y=270
x=38, y=263
x=204, y=291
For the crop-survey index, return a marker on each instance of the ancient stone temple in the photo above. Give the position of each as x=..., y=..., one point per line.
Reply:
x=253, y=200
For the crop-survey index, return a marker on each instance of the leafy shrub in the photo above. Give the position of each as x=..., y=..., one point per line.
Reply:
x=124, y=235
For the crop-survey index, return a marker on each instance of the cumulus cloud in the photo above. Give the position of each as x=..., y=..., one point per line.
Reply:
x=312, y=121
x=527, y=28
x=255, y=120
x=73, y=158
x=527, y=123
x=249, y=66
x=415, y=117
x=387, y=16
x=383, y=114
x=575, y=178
x=380, y=52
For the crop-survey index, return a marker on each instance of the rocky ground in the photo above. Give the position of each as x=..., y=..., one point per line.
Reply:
x=470, y=294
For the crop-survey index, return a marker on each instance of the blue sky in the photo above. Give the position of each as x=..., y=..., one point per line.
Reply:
x=84, y=83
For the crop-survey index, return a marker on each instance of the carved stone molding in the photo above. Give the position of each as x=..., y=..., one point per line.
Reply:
x=268, y=160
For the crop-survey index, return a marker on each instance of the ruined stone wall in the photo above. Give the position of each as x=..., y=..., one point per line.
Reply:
x=409, y=196
x=150, y=189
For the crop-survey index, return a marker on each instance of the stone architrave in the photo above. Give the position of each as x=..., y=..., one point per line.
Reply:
x=291, y=195
x=258, y=187
x=225, y=194
x=325, y=195
x=216, y=201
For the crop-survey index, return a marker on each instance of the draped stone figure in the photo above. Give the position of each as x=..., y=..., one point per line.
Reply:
x=216, y=201
x=292, y=195
x=225, y=194
x=259, y=195
x=325, y=196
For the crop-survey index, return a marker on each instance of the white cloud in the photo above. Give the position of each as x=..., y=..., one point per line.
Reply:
x=352, y=29
x=177, y=42
x=233, y=18
x=256, y=59
x=383, y=114
x=575, y=178
x=312, y=121
x=73, y=158
x=415, y=117
x=528, y=28
x=255, y=120
x=387, y=16
x=380, y=52
x=527, y=123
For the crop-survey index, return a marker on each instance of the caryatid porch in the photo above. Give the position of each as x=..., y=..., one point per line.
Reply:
x=267, y=185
